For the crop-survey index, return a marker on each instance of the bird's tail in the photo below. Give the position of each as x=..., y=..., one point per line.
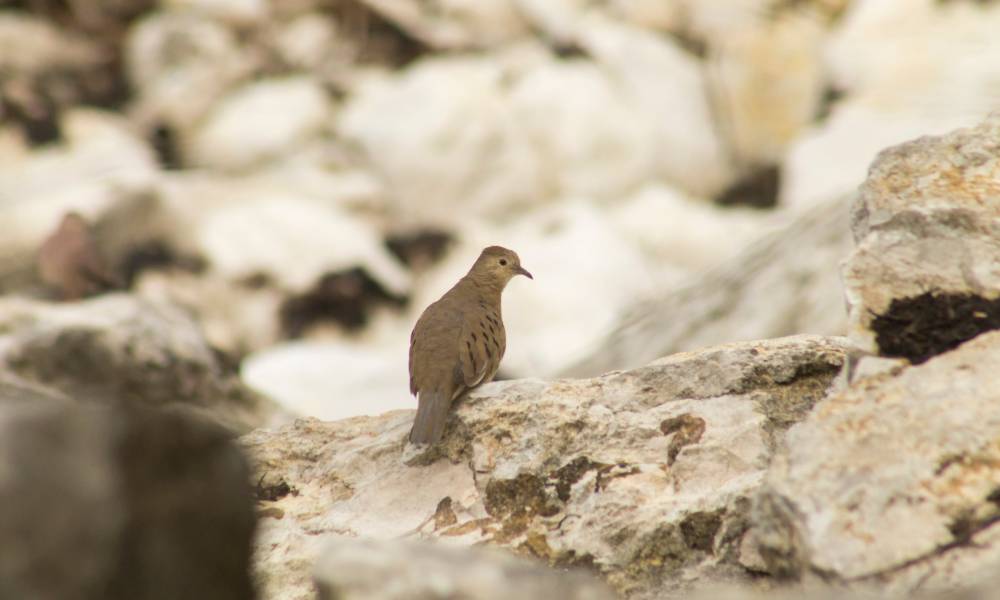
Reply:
x=432, y=412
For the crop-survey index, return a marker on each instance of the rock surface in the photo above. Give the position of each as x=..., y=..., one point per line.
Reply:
x=127, y=351
x=643, y=476
x=925, y=276
x=894, y=481
x=392, y=570
x=120, y=505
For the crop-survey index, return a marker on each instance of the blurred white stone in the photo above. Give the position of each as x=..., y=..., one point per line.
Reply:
x=31, y=45
x=767, y=84
x=444, y=140
x=590, y=140
x=938, y=71
x=97, y=162
x=179, y=65
x=449, y=24
x=832, y=159
x=307, y=41
x=231, y=12
x=687, y=234
x=333, y=379
x=260, y=121
x=294, y=241
x=664, y=89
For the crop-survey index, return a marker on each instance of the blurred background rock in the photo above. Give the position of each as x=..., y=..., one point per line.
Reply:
x=303, y=176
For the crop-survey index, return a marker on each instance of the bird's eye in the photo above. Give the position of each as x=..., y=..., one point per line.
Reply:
x=503, y=262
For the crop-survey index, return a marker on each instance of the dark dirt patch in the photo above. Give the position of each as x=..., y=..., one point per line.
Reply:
x=699, y=530
x=270, y=492
x=568, y=474
x=924, y=326
x=515, y=502
x=444, y=515
x=687, y=429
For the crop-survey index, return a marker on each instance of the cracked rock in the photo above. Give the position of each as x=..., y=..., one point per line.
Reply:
x=578, y=473
x=895, y=481
x=925, y=277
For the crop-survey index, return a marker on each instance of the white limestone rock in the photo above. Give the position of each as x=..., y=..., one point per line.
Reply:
x=892, y=484
x=925, y=274
x=261, y=121
x=644, y=475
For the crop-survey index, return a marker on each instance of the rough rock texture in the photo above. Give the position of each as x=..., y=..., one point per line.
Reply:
x=122, y=350
x=644, y=476
x=925, y=276
x=784, y=283
x=352, y=569
x=895, y=481
x=120, y=505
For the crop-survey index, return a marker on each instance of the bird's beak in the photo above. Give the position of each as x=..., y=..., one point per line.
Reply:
x=523, y=271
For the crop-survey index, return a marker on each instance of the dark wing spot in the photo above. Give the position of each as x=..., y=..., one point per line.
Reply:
x=472, y=355
x=474, y=338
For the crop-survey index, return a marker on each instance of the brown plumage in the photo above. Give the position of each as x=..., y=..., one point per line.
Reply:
x=70, y=262
x=459, y=340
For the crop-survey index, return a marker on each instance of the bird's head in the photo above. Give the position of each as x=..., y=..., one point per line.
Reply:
x=498, y=265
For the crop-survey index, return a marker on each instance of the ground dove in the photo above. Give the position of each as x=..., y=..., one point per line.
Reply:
x=70, y=263
x=459, y=340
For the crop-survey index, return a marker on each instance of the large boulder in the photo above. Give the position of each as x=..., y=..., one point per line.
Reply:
x=894, y=482
x=924, y=277
x=120, y=504
x=644, y=476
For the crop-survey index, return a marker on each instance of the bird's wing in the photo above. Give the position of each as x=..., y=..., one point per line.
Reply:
x=475, y=354
x=433, y=352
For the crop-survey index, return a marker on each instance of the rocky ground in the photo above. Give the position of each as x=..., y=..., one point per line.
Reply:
x=745, y=368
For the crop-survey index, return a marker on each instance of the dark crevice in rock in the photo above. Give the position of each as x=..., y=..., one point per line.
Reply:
x=444, y=514
x=270, y=492
x=567, y=475
x=419, y=249
x=687, y=429
x=921, y=327
x=787, y=402
x=670, y=547
x=515, y=502
x=758, y=189
x=345, y=298
x=699, y=530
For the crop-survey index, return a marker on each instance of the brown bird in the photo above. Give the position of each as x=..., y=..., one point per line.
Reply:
x=70, y=263
x=459, y=340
